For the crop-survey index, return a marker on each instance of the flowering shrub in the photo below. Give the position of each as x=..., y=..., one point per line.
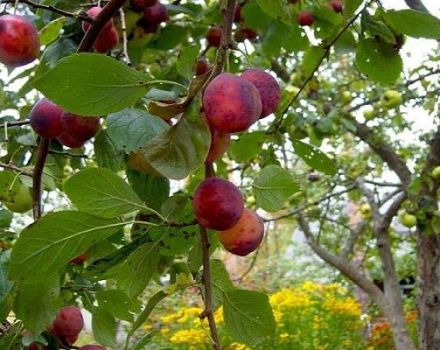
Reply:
x=311, y=316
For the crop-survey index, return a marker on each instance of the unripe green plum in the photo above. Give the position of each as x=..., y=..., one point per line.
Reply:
x=218, y=204
x=365, y=211
x=245, y=236
x=231, y=104
x=19, y=41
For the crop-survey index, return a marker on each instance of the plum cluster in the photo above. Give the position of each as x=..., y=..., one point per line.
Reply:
x=66, y=327
x=71, y=130
x=109, y=36
x=232, y=104
x=154, y=13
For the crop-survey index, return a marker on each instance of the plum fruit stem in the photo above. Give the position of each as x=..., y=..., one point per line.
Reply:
x=43, y=150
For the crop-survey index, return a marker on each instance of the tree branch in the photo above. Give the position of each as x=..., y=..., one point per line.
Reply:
x=108, y=11
x=49, y=8
x=355, y=233
x=16, y=169
x=43, y=150
x=343, y=266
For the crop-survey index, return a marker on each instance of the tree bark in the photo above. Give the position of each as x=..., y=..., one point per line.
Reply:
x=428, y=299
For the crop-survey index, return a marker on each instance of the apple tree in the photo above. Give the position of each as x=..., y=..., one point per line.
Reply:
x=128, y=126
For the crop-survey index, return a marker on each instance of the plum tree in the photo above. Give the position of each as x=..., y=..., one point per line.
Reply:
x=214, y=36
x=231, y=104
x=268, y=88
x=218, y=204
x=68, y=323
x=19, y=41
x=245, y=236
x=156, y=13
x=45, y=118
x=305, y=18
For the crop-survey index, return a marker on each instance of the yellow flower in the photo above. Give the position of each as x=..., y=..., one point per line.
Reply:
x=218, y=315
x=164, y=330
x=347, y=306
x=147, y=327
x=237, y=346
x=189, y=336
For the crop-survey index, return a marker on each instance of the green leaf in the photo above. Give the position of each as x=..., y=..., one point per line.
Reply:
x=51, y=31
x=414, y=23
x=117, y=303
x=247, y=146
x=131, y=129
x=273, y=186
x=137, y=269
x=254, y=17
x=248, y=316
x=104, y=327
x=378, y=61
x=153, y=190
x=107, y=155
x=46, y=246
x=350, y=7
x=312, y=58
x=6, y=298
x=178, y=151
x=377, y=28
x=221, y=282
x=274, y=8
x=314, y=158
x=37, y=303
x=92, y=84
x=169, y=37
x=273, y=37
x=186, y=61
x=101, y=192
x=5, y=218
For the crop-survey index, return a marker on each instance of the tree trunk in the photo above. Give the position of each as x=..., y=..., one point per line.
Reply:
x=428, y=298
x=396, y=318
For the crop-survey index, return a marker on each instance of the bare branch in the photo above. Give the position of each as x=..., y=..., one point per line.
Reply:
x=343, y=266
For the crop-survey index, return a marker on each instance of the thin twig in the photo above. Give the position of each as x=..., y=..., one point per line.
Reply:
x=50, y=8
x=327, y=48
x=124, y=37
x=16, y=169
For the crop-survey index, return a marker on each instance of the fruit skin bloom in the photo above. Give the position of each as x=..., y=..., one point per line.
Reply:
x=19, y=41
x=231, y=104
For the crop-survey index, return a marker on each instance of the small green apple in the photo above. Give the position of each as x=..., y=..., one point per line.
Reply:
x=408, y=220
x=20, y=201
x=346, y=96
x=365, y=211
x=369, y=113
x=391, y=99
x=436, y=172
